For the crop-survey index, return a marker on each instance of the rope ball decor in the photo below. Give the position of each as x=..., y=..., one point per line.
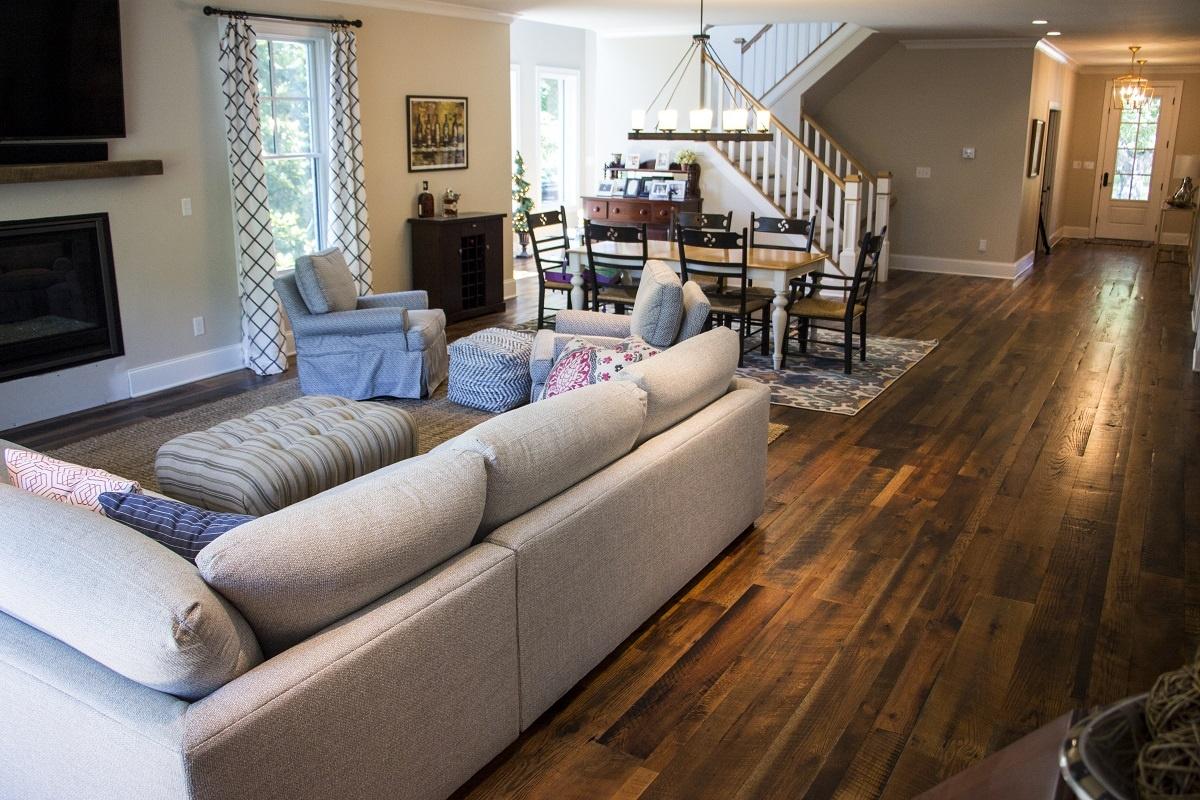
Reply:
x=1169, y=766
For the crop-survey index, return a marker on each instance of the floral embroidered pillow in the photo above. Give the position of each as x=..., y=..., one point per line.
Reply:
x=62, y=481
x=583, y=364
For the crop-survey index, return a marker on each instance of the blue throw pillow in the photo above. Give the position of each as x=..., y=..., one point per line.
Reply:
x=178, y=526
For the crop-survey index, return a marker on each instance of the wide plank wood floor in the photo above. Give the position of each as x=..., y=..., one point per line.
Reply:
x=1010, y=532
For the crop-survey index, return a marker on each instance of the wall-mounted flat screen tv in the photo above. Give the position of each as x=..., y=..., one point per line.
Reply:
x=60, y=69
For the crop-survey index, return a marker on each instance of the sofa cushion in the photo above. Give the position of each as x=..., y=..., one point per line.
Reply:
x=696, y=308
x=658, y=306
x=583, y=364
x=535, y=452
x=325, y=282
x=295, y=571
x=114, y=595
x=182, y=529
x=62, y=481
x=685, y=378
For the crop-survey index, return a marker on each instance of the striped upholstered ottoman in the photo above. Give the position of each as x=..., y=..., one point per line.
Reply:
x=489, y=369
x=281, y=455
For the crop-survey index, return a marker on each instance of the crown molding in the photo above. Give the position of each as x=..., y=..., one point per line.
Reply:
x=1113, y=70
x=1020, y=42
x=1058, y=55
x=436, y=8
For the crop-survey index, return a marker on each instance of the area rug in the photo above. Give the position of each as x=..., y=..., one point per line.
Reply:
x=815, y=380
x=129, y=451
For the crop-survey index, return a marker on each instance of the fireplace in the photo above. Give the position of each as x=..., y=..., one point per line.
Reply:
x=58, y=295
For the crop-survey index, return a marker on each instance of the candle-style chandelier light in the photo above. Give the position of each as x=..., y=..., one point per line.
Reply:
x=1133, y=91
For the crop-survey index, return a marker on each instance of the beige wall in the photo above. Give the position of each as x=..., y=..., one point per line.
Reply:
x=1091, y=103
x=920, y=107
x=172, y=268
x=1052, y=87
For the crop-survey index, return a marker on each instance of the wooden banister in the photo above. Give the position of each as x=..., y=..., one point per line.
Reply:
x=802, y=61
x=761, y=33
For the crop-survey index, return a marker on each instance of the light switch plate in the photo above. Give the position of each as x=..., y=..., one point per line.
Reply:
x=1089, y=165
x=968, y=152
x=924, y=172
x=197, y=326
x=186, y=206
x=1076, y=164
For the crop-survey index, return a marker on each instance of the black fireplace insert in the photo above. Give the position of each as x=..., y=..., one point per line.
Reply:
x=58, y=295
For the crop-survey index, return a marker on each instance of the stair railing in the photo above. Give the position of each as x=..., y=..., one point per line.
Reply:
x=771, y=55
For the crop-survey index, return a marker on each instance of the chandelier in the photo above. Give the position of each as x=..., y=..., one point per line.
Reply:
x=738, y=124
x=1131, y=92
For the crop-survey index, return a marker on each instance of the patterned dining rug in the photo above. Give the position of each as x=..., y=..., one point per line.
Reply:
x=816, y=381
x=129, y=451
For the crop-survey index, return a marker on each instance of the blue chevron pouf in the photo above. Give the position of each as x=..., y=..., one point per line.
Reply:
x=489, y=369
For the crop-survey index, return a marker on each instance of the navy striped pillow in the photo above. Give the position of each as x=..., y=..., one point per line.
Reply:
x=178, y=526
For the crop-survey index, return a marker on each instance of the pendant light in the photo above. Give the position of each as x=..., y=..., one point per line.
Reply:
x=738, y=124
x=1132, y=91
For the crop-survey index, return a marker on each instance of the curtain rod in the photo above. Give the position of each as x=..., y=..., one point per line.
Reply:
x=225, y=12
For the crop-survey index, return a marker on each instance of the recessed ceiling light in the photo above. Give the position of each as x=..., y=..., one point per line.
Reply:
x=1054, y=33
x=1040, y=22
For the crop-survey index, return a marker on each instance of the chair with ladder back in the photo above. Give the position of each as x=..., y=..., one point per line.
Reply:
x=548, y=233
x=719, y=255
x=613, y=277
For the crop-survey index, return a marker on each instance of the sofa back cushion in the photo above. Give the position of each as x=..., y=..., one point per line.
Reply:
x=685, y=378
x=536, y=452
x=658, y=305
x=325, y=282
x=696, y=309
x=299, y=569
x=118, y=597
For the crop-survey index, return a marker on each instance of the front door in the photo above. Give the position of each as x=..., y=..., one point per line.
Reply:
x=1135, y=167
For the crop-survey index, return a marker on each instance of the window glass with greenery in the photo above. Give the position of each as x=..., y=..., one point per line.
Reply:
x=1136, y=140
x=293, y=145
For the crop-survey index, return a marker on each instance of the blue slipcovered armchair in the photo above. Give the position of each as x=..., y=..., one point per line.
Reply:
x=385, y=345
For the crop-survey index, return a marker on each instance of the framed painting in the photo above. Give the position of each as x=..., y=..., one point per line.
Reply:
x=1037, y=140
x=437, y=133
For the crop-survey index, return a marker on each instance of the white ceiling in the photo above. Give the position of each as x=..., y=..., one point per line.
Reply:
x=1093, y=31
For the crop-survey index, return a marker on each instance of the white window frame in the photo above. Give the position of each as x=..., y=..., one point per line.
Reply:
x=572, y=144
x=514, y=89
x=319, y=78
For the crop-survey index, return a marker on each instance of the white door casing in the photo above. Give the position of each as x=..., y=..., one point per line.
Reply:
x=1129, y=191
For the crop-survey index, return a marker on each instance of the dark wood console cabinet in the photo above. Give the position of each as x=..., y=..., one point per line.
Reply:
x=459, y=261
x=655, y=213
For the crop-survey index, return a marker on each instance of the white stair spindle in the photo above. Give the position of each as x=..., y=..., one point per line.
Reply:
x=790, y=182
x=823, y=212
x=778, y=157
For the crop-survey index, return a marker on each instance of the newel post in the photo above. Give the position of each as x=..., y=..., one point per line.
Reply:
x=883, y=208
x=850, y=218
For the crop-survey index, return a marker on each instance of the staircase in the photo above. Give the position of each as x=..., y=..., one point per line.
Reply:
x=771, y=55
x=804, y=173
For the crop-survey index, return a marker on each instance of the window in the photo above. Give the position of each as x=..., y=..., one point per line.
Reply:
x=514, y=94
x=294, y=151
x=1135, y=152
x=558, y=136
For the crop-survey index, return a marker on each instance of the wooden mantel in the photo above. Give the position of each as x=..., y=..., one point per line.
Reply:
x=83, y=170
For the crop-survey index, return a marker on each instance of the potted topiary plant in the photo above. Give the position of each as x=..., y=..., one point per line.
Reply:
x=523, y=204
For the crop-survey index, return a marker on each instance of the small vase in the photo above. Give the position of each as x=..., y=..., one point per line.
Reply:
x=523, y=238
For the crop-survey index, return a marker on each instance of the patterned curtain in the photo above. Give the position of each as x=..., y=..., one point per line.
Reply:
x=348, y=196
x=262, y=339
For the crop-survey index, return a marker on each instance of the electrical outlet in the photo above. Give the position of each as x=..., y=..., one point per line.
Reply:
x=968, y=153
x=1076, y=165
x=924, y=172
x=983, y=245
x=186, y=205
x=197, y=326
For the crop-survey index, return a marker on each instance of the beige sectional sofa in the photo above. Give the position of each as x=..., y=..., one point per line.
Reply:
x=386, y=638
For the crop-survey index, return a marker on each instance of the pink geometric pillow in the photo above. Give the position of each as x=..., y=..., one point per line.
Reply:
x=61, y=481
x=583, y=364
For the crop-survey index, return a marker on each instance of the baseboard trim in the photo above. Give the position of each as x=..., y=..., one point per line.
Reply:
x=1076, y=232
x=510, y=288
x=1174, y=239
x=178, y=371
x=958, y=266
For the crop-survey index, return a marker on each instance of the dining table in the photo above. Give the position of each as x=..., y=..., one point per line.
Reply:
x=765, y=266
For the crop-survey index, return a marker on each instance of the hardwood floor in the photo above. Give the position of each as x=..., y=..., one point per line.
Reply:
x=1009, y=532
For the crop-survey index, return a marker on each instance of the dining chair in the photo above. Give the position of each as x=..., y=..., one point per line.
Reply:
x=722, y=254
x=606, y=271
x=700, y=221
x=807, y=305
x=777, y=232
x=548, y=233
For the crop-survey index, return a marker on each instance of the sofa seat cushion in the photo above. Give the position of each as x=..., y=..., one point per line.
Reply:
x=685, y=378
x=658, y=306
x=293, y=572
x=118, y=597
x=535, y=452
x=325, y=282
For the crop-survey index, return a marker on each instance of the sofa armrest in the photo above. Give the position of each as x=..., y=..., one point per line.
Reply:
x=363, y=322
x=417, y=300
x=427, y=670
x=592, y=323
